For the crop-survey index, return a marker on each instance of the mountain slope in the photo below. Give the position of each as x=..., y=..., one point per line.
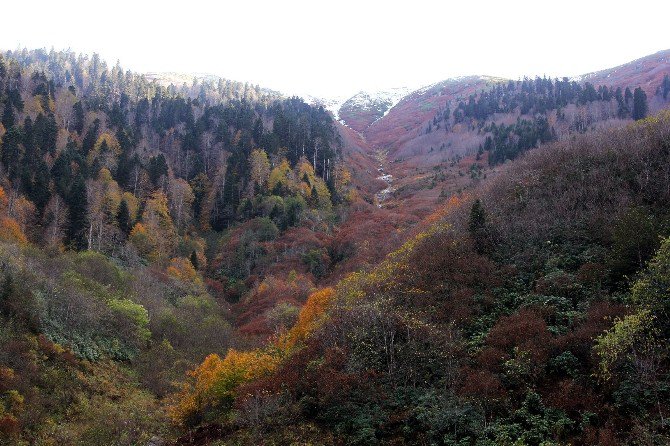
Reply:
x=445, y=137
x=510, y=318
x=647, y=72
x=408, y=117
x=365, y=108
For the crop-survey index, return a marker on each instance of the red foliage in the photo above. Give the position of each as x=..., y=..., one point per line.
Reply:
x=604, y=436
x=251, y=311
x=481, y=384
x=573, y=398
x=9, y=426
x=402, y=122
x=525, y=330
x=580, y=340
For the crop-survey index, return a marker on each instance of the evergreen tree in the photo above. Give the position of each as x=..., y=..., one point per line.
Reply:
x=11, y=151
x=479, y=229
x=194, y=260
x=157, y=168
x=78, y=117
x=8, y=117
x=628, y=96
x=91, y=136
x=639, y=104
x=123, y=218
x=665, y=86
x=77, y=205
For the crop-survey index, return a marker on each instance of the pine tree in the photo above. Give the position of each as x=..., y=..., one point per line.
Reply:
x=665, y=87
x=123, y=218
x=639, y=104
x=194, y=260
x=77, y=204
x=157, y=168
x=8, y=117
x=78, y=117
x=479, y=229
x=628, y=96
x=90, y=138
x=11, y=151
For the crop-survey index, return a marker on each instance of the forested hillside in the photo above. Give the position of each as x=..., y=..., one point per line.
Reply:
x=201, y=261
x=532, y=311
x=439, y=139
x=133, y=215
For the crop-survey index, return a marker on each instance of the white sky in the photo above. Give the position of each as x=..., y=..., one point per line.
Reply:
x=334, y=48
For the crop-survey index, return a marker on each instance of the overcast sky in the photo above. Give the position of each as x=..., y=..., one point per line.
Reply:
x=333, y=48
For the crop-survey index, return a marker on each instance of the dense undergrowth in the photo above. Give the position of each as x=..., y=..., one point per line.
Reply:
x=534, y=313
x=165, y=255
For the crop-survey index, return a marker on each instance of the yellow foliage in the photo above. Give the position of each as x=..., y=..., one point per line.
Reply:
x=305, y=170
x=282, y=175
x=213, y=385
x=133, y=204
x=182, y=269
x=112, y=143
x=156, y=213
x=260, y=167
x=111, y=200
x=633, y=330
x=143, y=241
x=157, y=221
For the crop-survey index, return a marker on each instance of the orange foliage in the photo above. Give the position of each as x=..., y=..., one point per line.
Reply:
x=3, y=200
x=309, y=318
x=214, y=383
x=182, y=269
x=453, y=203
x=213, y=386
x=11, y=231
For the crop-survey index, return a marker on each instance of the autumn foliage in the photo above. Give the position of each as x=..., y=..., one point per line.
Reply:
x=212, y=386
x=309, y=318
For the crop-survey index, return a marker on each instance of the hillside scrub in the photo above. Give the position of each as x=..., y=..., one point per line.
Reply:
x=545, y=337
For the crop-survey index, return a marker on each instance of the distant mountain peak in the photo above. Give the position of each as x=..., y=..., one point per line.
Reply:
x=366, y=107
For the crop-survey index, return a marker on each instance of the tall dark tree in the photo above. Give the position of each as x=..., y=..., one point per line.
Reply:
x=8, y=116
x=11, y=151
x=665, y=86
x=640, y=107
x=91, y=137
x=628, y=96
x=78, y=117
x=480, y=230
x=157, y=168
x=77, y=205
x=194, y=260
x=123, y=218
